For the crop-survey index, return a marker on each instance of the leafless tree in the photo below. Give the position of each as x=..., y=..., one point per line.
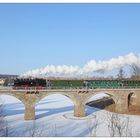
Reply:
x=135, y=72
x=3, y=123
x=92, y=124
x=35, y=130
x=121, y=73
x=54, y=130
x=119, y=125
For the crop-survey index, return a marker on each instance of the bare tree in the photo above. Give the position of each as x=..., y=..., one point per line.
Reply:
x=135, y=72
x=54, y=130
x=121, y=73
x=35, y=130
x=119, y=125
x=92, y=125
x=3, y=123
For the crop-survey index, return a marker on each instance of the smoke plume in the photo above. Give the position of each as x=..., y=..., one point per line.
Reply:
x=91, y=66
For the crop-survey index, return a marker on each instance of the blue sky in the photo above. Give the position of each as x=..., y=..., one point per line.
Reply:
x=36, y=35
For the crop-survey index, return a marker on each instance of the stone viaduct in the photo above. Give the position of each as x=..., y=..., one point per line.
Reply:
x=79, y=97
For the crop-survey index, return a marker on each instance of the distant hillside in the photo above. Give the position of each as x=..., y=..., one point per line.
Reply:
x=7, y=76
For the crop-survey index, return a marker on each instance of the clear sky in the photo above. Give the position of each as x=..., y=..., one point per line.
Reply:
x=36, y=35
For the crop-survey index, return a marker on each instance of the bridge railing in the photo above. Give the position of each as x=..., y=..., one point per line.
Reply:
x=45, y=88
x=29, y=88
x=66, y=88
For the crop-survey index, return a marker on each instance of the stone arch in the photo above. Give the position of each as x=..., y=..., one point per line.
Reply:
x=97, y=93
x=17, y=111
x=134, y=99
x=15, y=96
x=48, y=111
x=49, y=94
x=90, y=95
x=29, y=112
x=130, y=96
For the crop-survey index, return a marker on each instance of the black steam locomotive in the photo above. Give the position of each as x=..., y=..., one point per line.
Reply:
x=28, y=83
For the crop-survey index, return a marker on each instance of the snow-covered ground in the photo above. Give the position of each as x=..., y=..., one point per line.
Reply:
x=54, y=117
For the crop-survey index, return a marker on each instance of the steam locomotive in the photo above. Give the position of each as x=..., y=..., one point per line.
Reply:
x=27, y=83
x=40, y=84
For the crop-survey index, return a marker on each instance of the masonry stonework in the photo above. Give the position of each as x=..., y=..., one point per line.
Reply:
x=78, y=97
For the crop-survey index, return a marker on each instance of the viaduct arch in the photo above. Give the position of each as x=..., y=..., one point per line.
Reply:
x=29, y=98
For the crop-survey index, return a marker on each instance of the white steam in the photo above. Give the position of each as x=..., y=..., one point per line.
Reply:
x=91, y=66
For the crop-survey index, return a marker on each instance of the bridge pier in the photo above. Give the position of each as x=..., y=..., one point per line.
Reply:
x=29, y=112
x=79, y=110
x=121, y=108
x=121, y=103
